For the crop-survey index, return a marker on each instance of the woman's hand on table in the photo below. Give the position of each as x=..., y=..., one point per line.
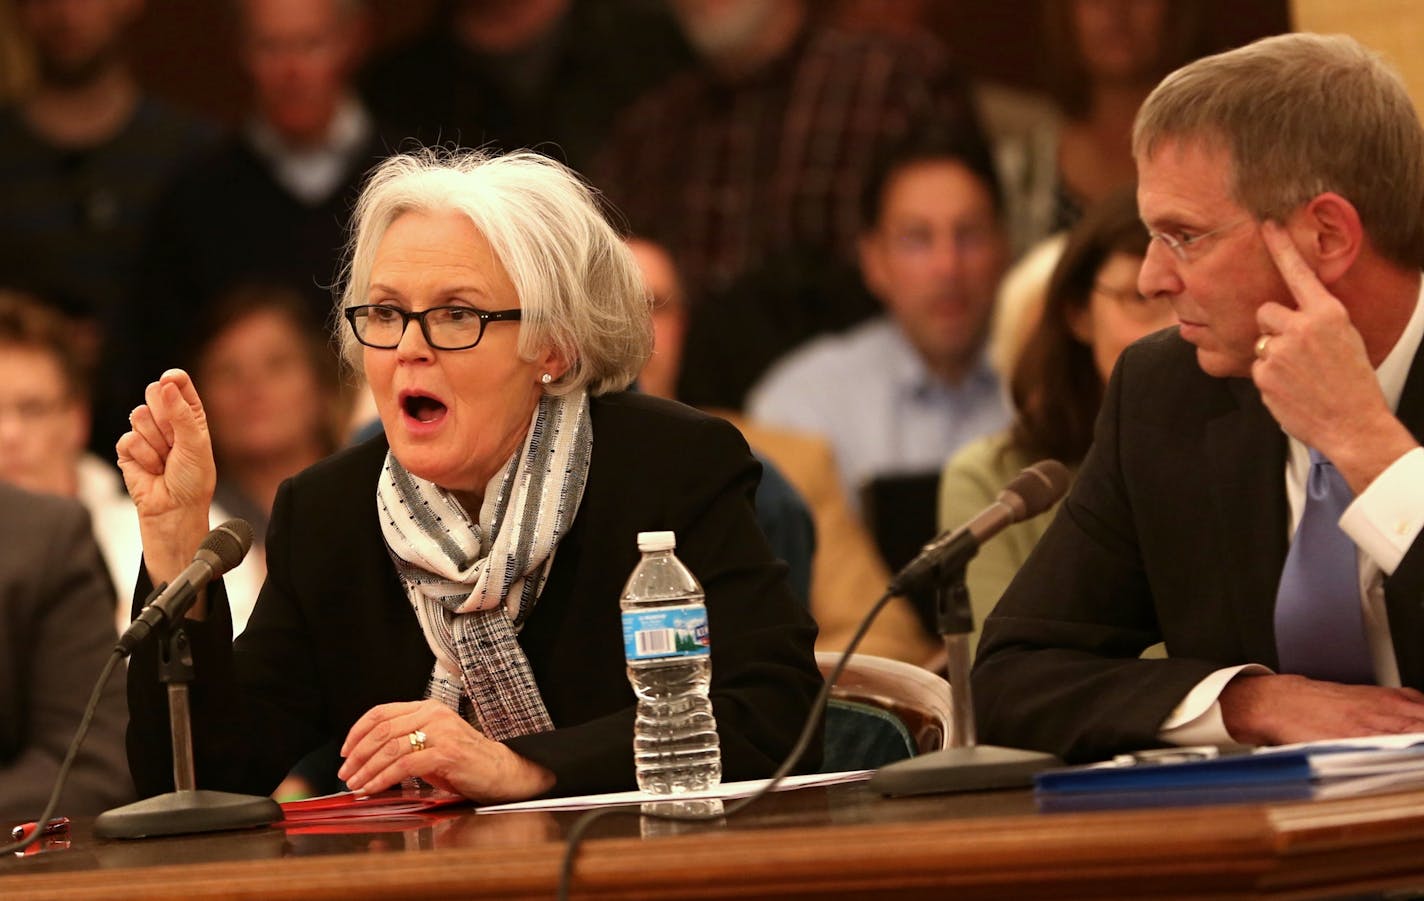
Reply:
x=380, y=752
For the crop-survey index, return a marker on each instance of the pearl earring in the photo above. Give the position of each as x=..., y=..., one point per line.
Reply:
x=546, y=378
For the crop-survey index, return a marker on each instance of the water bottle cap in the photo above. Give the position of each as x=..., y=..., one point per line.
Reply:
x=656, y=541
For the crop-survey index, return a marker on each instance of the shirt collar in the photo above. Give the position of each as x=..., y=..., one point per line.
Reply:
x=312, y=173
x=909, y=371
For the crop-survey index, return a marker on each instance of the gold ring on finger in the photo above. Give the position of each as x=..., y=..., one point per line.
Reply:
x=1261, y=343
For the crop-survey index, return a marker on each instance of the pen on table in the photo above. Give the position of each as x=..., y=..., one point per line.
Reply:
x=1188, y=754
x=55, y=826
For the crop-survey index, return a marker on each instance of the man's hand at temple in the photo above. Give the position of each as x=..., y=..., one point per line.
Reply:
x=1316, y=378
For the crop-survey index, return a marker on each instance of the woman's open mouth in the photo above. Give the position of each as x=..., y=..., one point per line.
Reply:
x=422, y=408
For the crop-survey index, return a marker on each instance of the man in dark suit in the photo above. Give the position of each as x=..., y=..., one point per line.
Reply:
x=56, y=629
x=1283, y=184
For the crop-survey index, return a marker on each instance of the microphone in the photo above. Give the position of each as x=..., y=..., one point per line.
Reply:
x=222, y=549
x=966, y=765
x=187, y=808
x=1030, y=493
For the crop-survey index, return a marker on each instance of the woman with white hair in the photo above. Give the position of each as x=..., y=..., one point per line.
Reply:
x=443, y=599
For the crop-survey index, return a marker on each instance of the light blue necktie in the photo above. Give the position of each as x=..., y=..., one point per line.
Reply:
x=1320, y=628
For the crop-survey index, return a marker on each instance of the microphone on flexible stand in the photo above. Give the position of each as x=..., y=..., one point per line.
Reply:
x=186, y=809
x=966, y=765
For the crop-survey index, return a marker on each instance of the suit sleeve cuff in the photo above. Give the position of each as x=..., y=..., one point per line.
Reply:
x=1388, y=515
x=1197, y=719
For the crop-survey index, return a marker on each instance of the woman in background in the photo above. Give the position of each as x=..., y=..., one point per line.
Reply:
x=270, y=388
x=1092, y=311
x=1104, y=57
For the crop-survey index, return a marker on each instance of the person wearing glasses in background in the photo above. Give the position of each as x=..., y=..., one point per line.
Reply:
x=442, y=599
x=896, y=395
x=901, y=392
x=1092, y=310
x=1255, y=491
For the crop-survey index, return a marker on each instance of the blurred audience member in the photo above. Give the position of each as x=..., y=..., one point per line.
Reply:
x=44, y=396
x=781, y=511
x=271, y=202
x=44, y=423
x=900, y=393
x=762, y=149
x=736, y=334
x=44, y=385
x=660, y=277
x=1104, y=56
x=270, y=384
x=846, y=573
x=548, y=75
x=1019, y=303
x=16, y=64
x=83, y=154
x=56, y=631
x=1092, y=311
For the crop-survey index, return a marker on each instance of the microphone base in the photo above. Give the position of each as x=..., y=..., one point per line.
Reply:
x=975, y=768
x=184, y=812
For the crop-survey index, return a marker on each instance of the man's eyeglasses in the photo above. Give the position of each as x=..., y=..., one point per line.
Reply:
x=445, y=328
x=1182, y=245
x=966, y=238
x=31, y=410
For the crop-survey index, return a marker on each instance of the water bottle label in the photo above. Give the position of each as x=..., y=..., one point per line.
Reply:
x=666, y=632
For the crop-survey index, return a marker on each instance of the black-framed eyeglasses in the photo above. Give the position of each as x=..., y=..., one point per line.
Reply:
x=445, y=328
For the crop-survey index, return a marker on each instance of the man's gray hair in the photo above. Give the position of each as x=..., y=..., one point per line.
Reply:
x=1300, y=115
x=578, y=285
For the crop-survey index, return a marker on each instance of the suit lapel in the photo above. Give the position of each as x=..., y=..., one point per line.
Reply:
x=1406, y=615
x=1245, y=456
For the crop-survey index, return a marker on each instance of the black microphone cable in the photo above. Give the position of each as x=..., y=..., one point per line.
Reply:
x=803, y=741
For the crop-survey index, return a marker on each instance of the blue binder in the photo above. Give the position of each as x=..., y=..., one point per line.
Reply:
x=1300, y=766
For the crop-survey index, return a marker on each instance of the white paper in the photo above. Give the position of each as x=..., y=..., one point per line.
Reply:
x=1366, y=763
x=726, y=792
x=1352, y=786
x=1368, y=742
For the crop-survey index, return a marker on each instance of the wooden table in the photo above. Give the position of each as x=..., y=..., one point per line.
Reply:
x=841, y=841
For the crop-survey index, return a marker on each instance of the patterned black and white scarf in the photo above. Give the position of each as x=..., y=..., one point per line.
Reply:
x=473, y=584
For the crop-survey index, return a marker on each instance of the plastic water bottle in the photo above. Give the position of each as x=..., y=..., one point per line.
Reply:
x=665, y=641
x=708, y=810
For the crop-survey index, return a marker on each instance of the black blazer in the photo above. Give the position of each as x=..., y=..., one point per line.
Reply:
x=1176, y=530
x=333, y=633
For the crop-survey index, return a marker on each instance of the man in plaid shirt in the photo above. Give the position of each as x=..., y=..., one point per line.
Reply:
x=764, y=148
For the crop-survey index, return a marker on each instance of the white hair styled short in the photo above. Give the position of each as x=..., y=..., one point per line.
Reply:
x=578, y=285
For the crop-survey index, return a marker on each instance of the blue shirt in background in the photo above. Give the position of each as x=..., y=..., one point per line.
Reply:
x=869, y=393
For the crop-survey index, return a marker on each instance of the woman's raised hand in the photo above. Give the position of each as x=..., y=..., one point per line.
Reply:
x=167, y=462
